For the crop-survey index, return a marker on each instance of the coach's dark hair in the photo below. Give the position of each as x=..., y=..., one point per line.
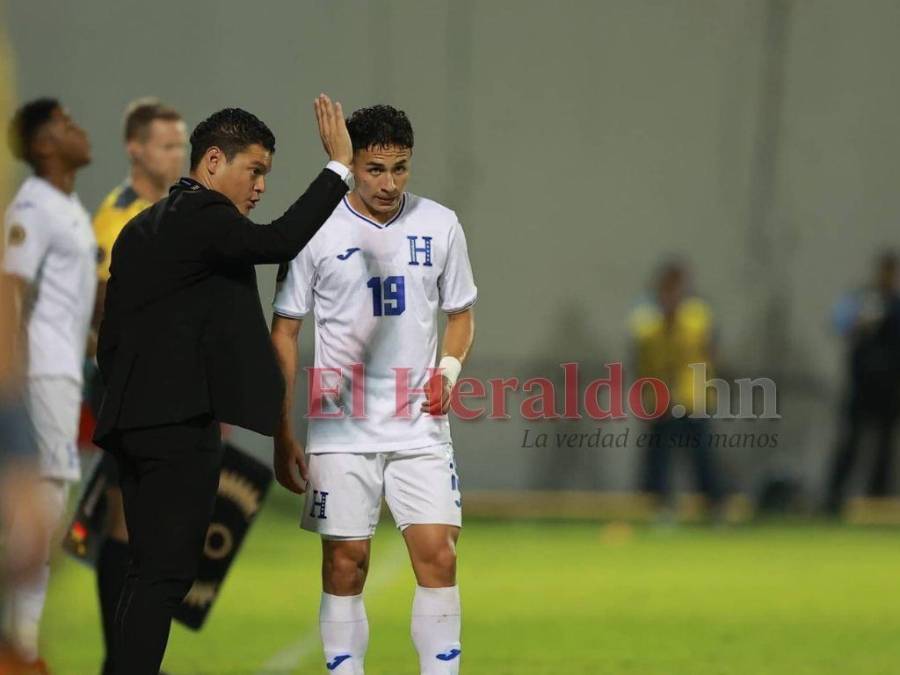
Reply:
x=25, y=126
x=231, y=130
x=380, y=126
x=140, y=114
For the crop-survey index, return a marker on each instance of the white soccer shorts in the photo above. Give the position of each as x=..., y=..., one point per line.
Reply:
x=54, y=407
x=343, y=498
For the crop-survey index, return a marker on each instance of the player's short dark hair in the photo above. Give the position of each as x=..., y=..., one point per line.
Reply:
x=231, y=130
x=26, y=123
x=380, y=126
x=140, y=114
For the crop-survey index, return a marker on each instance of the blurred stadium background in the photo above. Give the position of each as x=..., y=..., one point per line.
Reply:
x=581, y=143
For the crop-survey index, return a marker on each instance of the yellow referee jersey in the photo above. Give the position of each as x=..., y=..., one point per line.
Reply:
x=120, y=206
x=667, y=351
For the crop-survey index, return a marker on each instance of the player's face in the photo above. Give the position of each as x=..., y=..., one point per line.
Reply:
x=161, y=155
x=63, y=138
x=381, y=174
x=243, y=178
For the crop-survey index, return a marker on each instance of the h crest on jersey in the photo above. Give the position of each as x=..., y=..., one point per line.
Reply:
x=414, y=250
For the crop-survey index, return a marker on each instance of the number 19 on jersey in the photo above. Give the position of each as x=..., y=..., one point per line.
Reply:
x=388, y=295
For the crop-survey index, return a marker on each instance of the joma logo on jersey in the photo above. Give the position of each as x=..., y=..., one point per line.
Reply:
x=415, y=250
x=348, y=253
x=318, y=505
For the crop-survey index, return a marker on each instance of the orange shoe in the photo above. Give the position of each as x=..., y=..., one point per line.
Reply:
x=11, y=664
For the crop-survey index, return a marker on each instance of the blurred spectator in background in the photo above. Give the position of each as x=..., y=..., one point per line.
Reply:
x=670, y=331
x=23, y=552
x=25, y=522
x=156, y=143
x=869, y=319
x=23, y=546
x=50, y=262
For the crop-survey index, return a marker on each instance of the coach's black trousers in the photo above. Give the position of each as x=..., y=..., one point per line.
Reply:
x=169, y=476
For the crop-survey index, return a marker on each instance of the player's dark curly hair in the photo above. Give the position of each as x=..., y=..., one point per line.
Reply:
x=26, y=124
x=231, y=130
x=380, y=126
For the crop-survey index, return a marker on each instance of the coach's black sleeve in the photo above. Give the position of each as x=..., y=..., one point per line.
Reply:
x=231, y=238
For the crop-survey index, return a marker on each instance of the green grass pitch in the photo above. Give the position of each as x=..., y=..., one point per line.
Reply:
x=550, y=598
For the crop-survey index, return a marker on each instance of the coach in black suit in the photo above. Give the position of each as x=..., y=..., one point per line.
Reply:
x=184, y=345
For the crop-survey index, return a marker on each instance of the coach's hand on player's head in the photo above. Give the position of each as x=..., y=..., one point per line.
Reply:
x=437, y=395
x=333, y=130
x=290, y=465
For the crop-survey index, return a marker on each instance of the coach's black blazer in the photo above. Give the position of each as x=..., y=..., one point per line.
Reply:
x=183, y=331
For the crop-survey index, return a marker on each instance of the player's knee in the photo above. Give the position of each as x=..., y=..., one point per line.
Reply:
x=55, y=494
x=445, y=559
x=345, y=567
x=438, y=564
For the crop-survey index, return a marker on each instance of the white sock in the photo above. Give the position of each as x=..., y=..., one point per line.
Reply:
x=24, y=607
x=345, y=633
x=436, y=628
x=24, y=602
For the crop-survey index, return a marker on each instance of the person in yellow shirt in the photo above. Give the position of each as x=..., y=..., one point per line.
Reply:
x=671, y=333
x=155, y=141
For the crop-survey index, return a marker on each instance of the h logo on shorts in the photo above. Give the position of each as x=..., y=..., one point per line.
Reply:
x=318, y=504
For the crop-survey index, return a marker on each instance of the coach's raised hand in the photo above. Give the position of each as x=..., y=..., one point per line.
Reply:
x=333, y=130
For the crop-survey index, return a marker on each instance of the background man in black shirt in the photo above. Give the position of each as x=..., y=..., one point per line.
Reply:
x=870, y=320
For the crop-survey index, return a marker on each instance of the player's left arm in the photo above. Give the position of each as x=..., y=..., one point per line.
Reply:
x=96, y=320
x=456, y=287
x=107, y=225
x=459, y=334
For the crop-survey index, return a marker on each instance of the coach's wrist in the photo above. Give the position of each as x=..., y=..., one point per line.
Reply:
x=342, y=170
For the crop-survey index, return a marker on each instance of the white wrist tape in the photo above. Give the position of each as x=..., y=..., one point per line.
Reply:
x=450, y=367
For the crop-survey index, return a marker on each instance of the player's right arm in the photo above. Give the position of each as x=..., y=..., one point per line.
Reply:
x=288, y=460
x=28, y=238
x=16, y=292
x=293, y=301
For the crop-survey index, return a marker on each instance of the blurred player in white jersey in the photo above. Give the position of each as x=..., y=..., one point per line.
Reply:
x=50, y=258
x=375, y=277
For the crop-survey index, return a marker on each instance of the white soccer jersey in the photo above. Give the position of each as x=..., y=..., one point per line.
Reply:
x=50, y=242
x=375, y=290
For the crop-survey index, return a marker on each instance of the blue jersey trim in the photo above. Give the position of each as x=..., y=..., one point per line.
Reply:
x=372, y=222
x=126, y=197
x=287, y=315
x=457, y=310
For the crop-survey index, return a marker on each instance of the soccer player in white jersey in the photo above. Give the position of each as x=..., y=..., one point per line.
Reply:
x=374, y=278
x=50, y=258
